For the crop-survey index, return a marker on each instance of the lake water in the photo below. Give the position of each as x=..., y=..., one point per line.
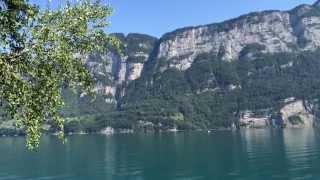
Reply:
x=247, y=154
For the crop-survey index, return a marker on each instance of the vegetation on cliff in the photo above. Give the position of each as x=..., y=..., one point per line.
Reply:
x=212, y=92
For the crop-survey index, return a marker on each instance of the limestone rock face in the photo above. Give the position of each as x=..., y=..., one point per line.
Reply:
x=275, y=31
x=113, y=71
x=134, y=71
x=268, y=32
x=292, y=115
x=296, y=109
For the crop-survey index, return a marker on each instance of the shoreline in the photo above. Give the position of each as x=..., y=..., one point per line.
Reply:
x=132, y=131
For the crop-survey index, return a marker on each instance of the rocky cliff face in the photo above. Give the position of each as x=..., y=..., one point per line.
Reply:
x=113, y=71
x=293, y=114
x=268, y=32
x=272, y=31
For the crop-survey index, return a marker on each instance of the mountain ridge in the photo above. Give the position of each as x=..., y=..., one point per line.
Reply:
x=260, y=69
x=288, y=30
x=272, y=31
x=250, y=69
x=186, y=77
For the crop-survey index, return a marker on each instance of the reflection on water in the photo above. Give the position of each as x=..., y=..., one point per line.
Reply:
x=302, y=153
x=246, y=154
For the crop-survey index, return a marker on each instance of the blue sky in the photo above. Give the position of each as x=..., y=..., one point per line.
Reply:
x=156, y=17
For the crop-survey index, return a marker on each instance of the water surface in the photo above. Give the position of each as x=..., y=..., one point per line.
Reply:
x=246, y=154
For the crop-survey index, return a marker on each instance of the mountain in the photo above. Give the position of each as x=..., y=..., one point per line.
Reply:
x=274, y=31
x=267, y=31
x=113, y=70
x=260, y=69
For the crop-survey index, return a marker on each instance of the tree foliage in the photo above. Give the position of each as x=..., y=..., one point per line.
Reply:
x=43, y=52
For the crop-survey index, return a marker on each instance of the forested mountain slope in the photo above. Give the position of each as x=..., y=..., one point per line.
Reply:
x=260, y=69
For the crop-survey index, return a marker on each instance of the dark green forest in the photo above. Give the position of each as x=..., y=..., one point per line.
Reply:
x=210, y=94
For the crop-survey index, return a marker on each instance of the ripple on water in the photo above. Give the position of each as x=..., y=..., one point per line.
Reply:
x=247, y=155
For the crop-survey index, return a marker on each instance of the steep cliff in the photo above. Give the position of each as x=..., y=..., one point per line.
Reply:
x=237, y=72
x=260, y=69
x=240, y=71
x=114, y=70
x=273, y=31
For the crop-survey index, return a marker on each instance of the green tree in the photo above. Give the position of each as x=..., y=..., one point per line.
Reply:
x=42, y=52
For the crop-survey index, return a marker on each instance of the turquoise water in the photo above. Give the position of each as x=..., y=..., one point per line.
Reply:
x=247, y=154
